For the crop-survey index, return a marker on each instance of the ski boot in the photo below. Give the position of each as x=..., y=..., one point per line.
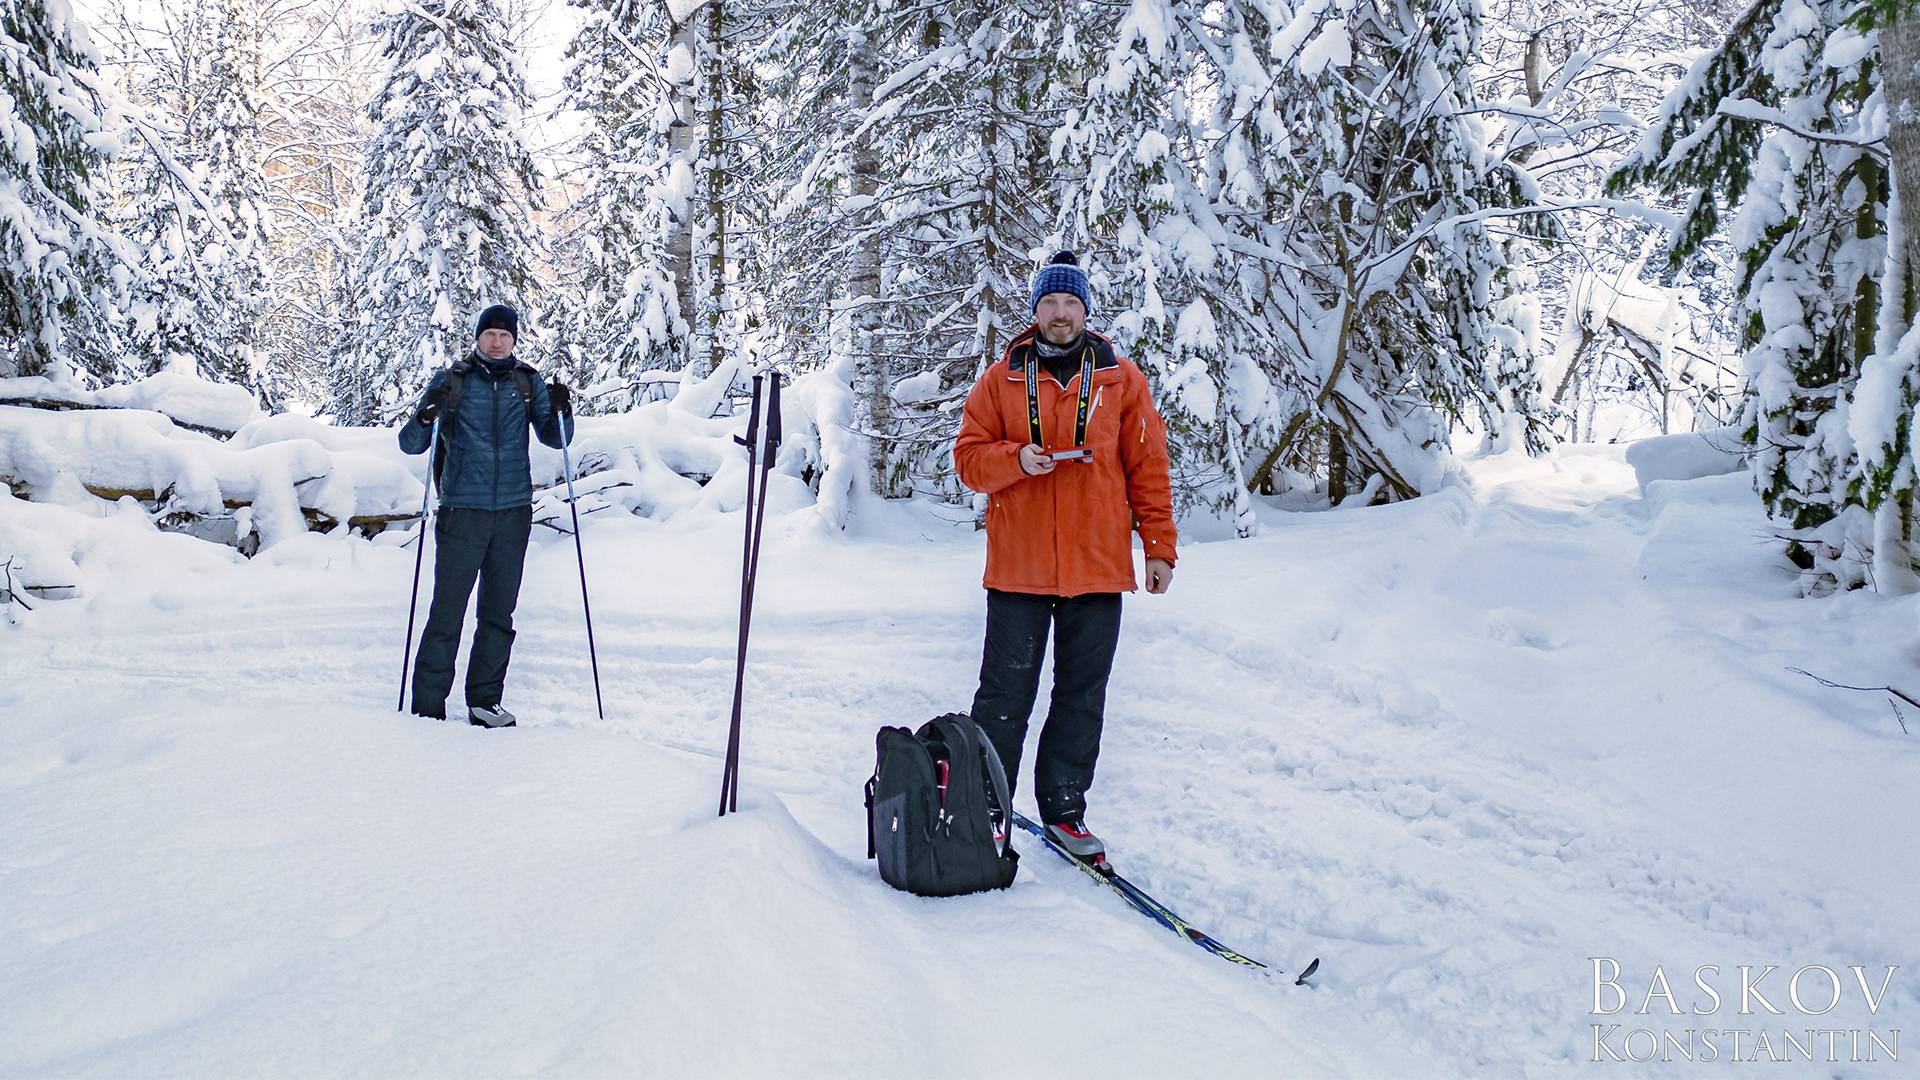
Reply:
x=1074, y=837
x=489, y=716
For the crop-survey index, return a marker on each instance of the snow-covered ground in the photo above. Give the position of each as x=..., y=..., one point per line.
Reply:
x=1456, y=747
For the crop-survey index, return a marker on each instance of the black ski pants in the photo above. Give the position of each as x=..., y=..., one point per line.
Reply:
x=1086, y=632
x=492, y=545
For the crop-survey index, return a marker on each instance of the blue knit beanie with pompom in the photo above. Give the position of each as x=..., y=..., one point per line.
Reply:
x=1062, y=274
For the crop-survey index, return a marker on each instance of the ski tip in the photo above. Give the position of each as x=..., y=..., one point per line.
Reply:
x=1307, y=972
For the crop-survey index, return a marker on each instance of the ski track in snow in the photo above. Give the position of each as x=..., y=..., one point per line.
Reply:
x=1454, y=747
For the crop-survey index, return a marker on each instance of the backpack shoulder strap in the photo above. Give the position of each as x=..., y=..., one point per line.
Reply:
x=456, y=385
x=997, y=776
x=523, y=379
x=1105, y=355
x=964, y=736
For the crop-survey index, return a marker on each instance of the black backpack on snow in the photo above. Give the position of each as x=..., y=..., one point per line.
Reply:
x=929, y=809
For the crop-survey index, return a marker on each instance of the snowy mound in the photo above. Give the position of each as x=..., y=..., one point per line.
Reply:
x=190, y=402
x=62, y=553
x=401, y=897
x=114, y=454
x=1686, y=456
x=164, y=443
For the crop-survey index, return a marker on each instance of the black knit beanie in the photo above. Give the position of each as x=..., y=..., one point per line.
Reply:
x=498, y=317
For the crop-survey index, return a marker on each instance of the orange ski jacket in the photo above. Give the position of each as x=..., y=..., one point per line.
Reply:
x=1068, y=532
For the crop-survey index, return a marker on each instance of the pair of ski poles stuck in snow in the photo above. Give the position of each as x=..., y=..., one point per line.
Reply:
x=762, y=440
x=420, y=554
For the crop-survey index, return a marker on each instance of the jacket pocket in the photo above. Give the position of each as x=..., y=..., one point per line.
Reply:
x=1103, y=420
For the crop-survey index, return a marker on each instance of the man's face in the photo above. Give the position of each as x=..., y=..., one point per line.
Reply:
x=1061, y=317
x=496, y=344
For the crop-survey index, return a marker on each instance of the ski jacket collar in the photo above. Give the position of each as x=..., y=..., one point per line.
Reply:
x=1105, y=359
x=486, y=365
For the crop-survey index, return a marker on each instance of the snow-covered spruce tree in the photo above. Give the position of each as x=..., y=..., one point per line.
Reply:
x=1170, y=297
x=827, y=252
x=1400, y=211
x=444, y=216
x=56, y=142
x=925, y=184
x=804, y=271
x=314, y=133
x=974, y=202
x=1780, y=118
x=199, y=212
x=1566, y=88
x=170, y=232
x=1297, y=232
x=615, y=313
x=980, y=202
x=236, y=184
x=727, y=193
x=711, y=177
x=165, y=219
x=1028, y=73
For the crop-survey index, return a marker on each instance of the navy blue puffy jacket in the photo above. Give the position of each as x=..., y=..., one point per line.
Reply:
x=486, y=464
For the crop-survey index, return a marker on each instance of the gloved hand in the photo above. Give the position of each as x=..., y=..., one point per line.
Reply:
x=433, y=402
x=561, y=396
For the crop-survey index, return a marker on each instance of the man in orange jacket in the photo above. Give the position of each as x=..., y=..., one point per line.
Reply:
x=1062, y=437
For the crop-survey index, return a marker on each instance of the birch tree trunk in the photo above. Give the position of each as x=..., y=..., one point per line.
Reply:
x=716, y=161
x=681, y=84
x=871, y=378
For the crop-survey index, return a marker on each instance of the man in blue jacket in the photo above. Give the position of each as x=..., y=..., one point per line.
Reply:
x=484, y=404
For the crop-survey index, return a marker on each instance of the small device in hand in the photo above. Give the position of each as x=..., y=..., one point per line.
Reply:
x=1078, y=454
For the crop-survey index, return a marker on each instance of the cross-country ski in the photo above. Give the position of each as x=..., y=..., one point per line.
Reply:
x=1103, y=872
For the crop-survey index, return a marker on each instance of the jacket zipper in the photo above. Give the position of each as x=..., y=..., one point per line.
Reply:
x=1053, y=492
x=494, y=389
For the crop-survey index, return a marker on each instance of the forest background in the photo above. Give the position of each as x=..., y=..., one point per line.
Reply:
x=1344, y=238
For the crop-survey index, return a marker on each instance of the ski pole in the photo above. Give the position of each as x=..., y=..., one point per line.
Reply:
x=729, y=774
x=763, y=442
x=419, y=557
x=566, y=460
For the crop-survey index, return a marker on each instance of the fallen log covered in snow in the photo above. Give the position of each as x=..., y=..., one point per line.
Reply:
x=200, y=459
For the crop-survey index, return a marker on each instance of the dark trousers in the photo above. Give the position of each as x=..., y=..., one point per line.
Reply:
x=490, y=544
x=1087, y=630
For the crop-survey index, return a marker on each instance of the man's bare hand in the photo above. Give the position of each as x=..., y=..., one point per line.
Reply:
x=1159, y=575
x=1034, y=461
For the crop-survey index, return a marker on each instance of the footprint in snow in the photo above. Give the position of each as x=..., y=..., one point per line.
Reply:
x=1410, y=801
x=1519, y=628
